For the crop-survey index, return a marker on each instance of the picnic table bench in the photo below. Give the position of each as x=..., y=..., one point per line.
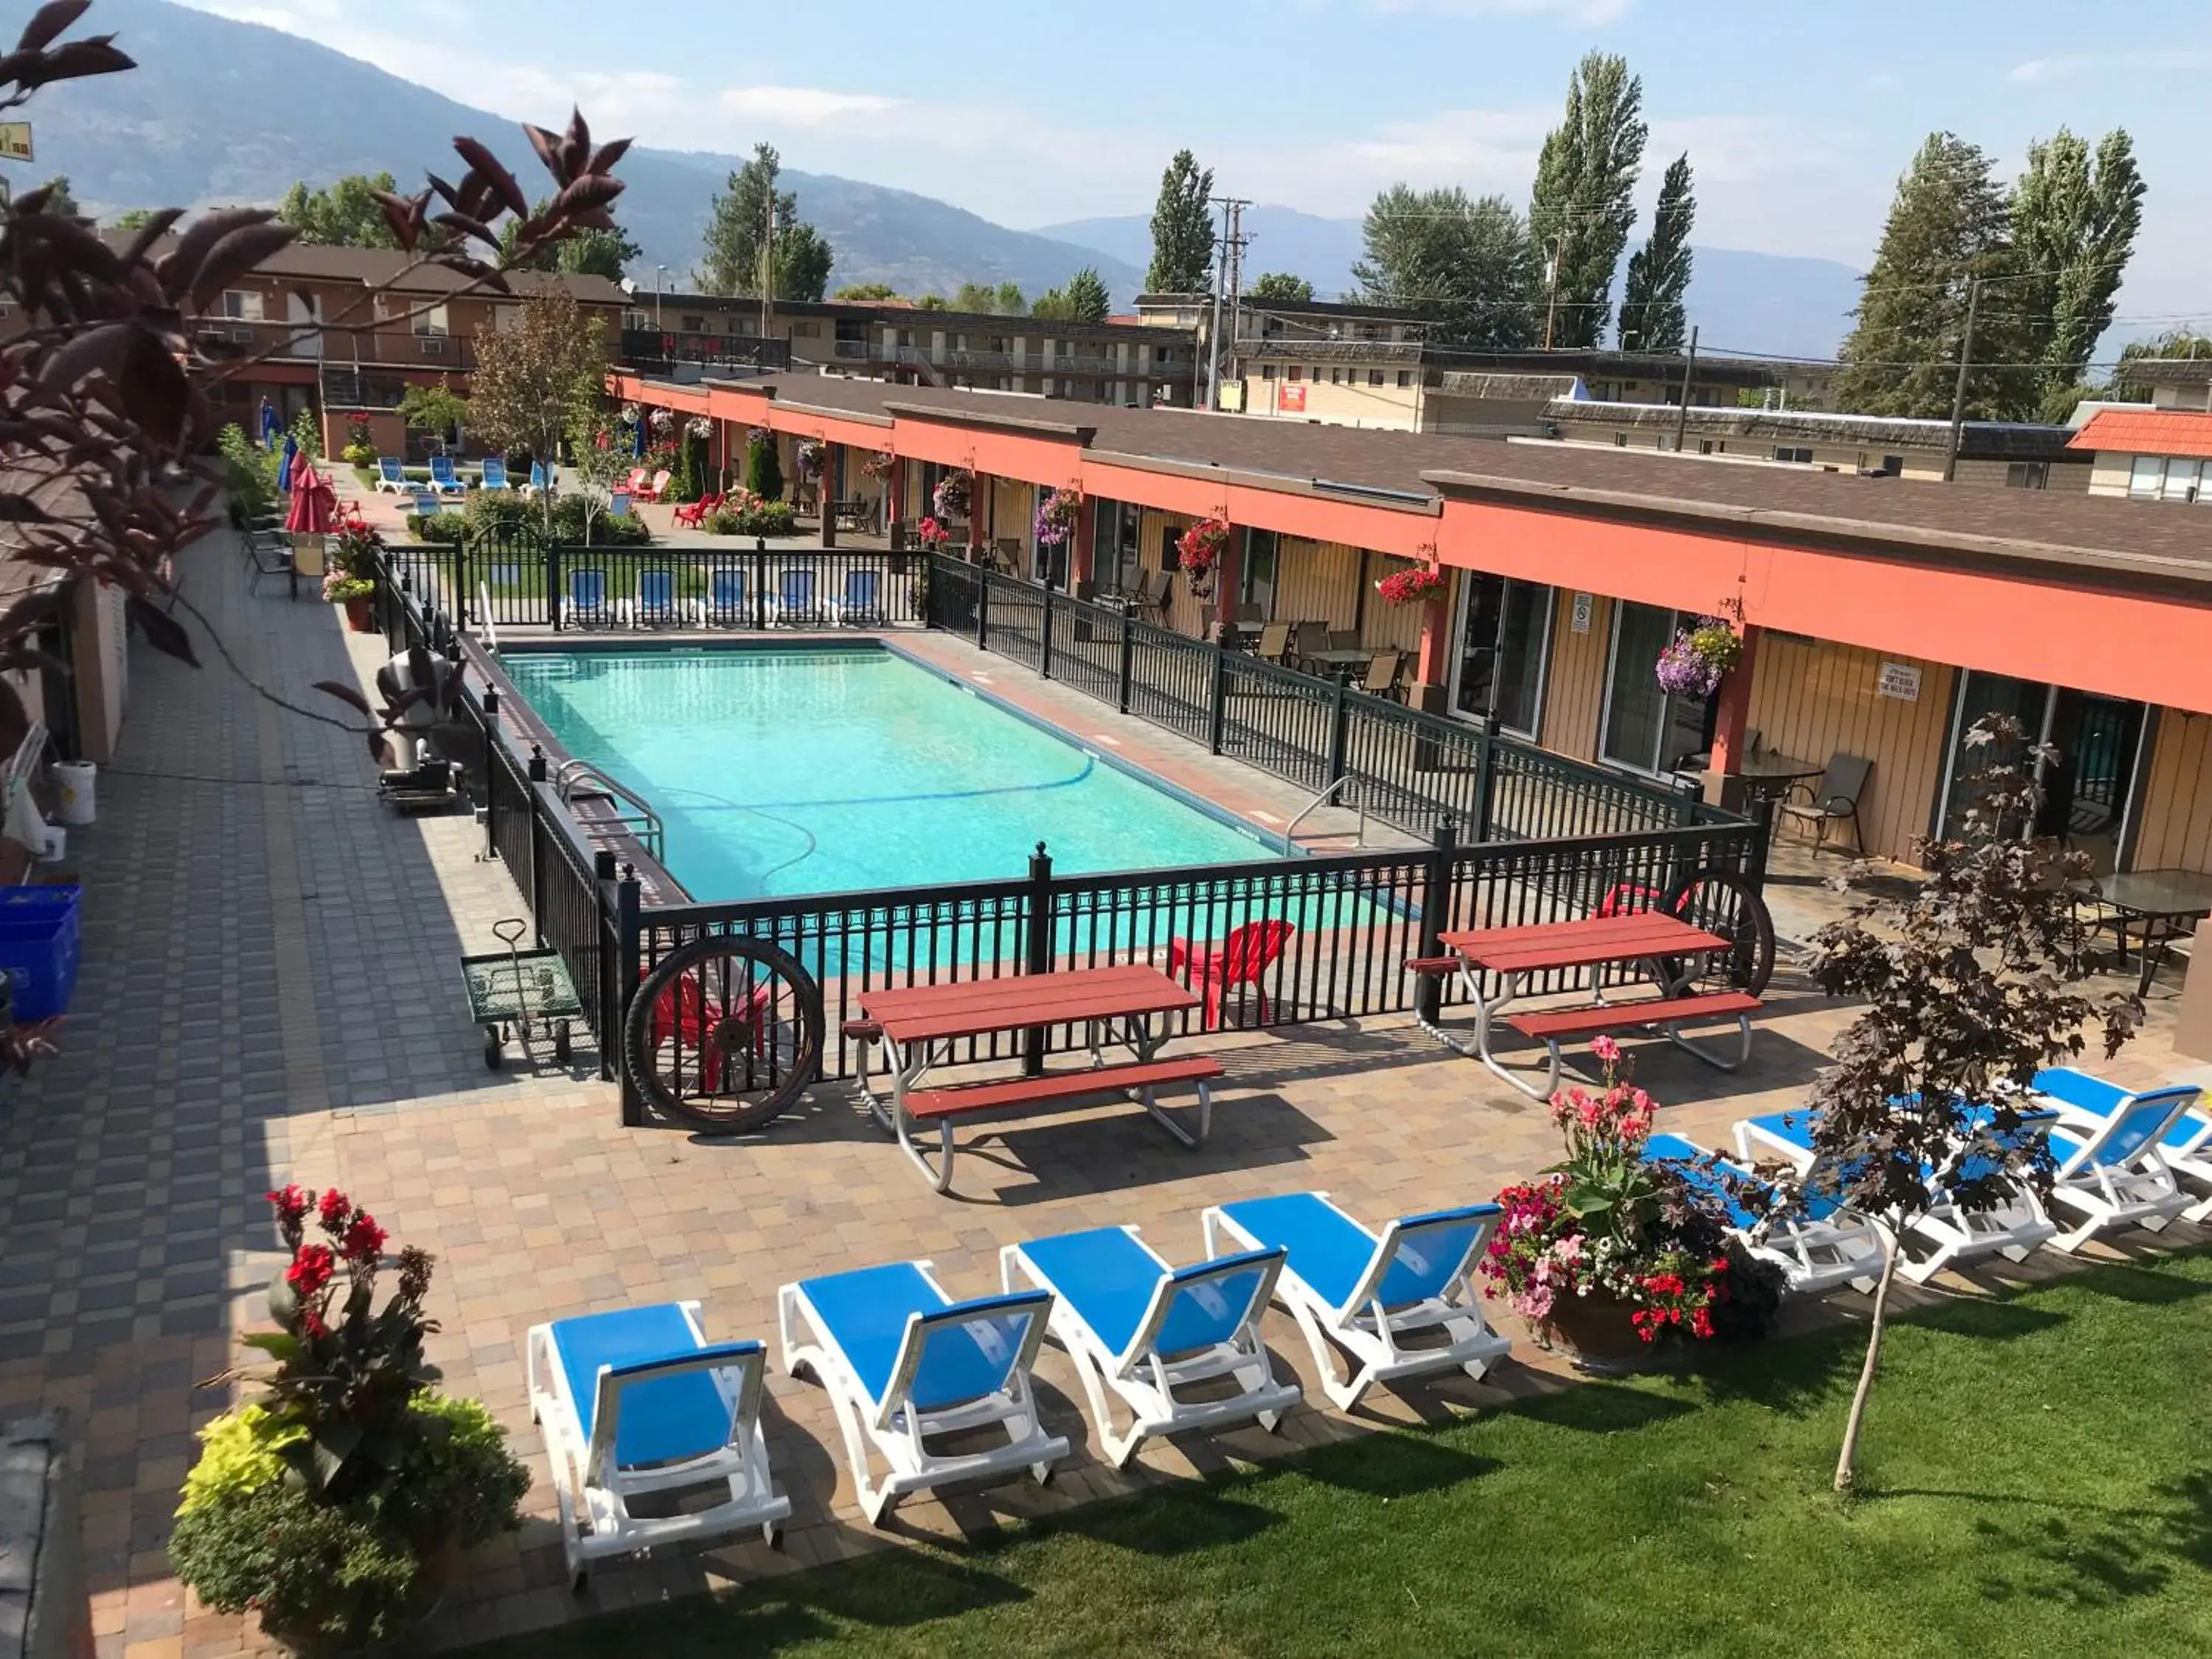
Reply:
x=1671, y=949
x=1116, y=1005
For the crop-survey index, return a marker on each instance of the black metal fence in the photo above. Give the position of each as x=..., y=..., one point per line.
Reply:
x=1411, y=769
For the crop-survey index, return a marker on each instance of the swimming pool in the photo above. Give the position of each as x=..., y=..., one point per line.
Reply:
x=784, y=772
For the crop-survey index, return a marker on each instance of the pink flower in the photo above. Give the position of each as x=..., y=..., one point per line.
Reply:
x=1606, y=1050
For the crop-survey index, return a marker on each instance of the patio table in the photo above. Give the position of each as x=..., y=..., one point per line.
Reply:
x=1339, y=665
x=2167, y=904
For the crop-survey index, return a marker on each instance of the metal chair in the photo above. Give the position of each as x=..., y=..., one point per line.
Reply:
x=1381, y=677
x=1835, y=801
x=270, y=558
x=1274, y=642
x=1311, y=640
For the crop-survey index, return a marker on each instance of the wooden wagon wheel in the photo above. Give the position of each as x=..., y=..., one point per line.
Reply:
x=724, y=1033
x=1722, y=902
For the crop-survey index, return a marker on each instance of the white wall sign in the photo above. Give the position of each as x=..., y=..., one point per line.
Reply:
x=1900, y=680
x=1582, y=613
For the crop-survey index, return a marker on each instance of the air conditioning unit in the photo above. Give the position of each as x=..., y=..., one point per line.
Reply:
x=241, y=336
x=433, y=346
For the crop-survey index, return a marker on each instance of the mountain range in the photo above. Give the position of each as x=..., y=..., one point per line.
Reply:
x=221, y=112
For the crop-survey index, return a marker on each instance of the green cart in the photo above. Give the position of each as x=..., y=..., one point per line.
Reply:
x=511, y=990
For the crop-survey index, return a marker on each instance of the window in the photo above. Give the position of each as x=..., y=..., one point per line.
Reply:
x=1645, y=729
x=1621, y=440
x=906, y=337
x=1405, y=377
x=805, y=331
x=432, y=322
x=242, y=304
x=692, y=325
x=1336, y=377
x=2027, y=475
x=1295, y=372
x=1504, y=630
x=639, y=320
x=1705, y=445
x=2155, y=478
x=1169, y=555
x=1256, y=573
x=2180, y=482
x=1800, y=453
x=998, y=342
x=1375, y=377
x=1267, y=371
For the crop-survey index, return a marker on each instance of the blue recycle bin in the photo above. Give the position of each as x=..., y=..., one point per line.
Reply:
x=39, y=948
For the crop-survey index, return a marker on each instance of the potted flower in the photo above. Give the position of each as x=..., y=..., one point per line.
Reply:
x=1691, y=667
x=700, y=426
x=877, y=466
x=1415, y=586
x=320, y=1503
x=662, y=421
x=932, y=534
x=355, y=554
x=951, y=496
x=360, y=442
x=1608, y=1254
x=357, y=593
x=1198, y=551
x=1056, y=517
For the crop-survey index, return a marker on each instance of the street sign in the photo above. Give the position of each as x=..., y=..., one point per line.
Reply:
x=15, y=141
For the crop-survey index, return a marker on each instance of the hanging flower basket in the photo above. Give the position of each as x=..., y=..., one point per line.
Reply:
x=630, y=414
x=1693, y=665
x=1056, y=517
x=811, y=453
x=877, y=466
x=1199, y=551
x=953, y=494
x=663, y=419
x=1415, y=586
x=700, y=426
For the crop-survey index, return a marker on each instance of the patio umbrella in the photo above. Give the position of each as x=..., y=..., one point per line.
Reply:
x=284, y=468
x=268, y=424
x=314, y=503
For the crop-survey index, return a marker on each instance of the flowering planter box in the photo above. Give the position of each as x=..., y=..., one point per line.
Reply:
x=361, y=615
x=1596, y=1333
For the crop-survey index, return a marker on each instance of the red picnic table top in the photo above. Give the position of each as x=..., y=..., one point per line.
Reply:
x=924, y=1014
x=1581, y=943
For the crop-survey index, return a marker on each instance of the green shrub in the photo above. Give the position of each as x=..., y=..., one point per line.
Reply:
x=457, y=1481
x=754, y=518
x=252, y=473
x=312, y=1571
x=239, y=1454
x=444, y=527
x=764, y=467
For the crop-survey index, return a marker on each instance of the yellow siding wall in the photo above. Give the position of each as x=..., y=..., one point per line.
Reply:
x=1575, y=691
x=1813, y=700
x=1012, y=502
x=1185, y=614
x=2176, y=810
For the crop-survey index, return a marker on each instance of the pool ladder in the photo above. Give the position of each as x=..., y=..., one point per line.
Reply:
x=1322, y=800
x=574, y=778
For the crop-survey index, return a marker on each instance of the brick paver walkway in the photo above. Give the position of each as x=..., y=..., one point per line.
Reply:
x=269, y=995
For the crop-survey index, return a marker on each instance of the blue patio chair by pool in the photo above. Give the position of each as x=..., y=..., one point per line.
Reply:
x=494, y=473
x=537, y=484
x=443, y=479
x=1817, y=1247
x=725, y=605
x=2186, y=1147
x=796, y=607
x=391, y=475
x=858, y=608
x=426, y=504
x=656, y=599
x=2116, y=1149
x=619, y=504
x=587, y=599
x=905, y=1365
x=1351, y=1290
x=1180, y=1346
x=638, y=1404
x=1952, y=1234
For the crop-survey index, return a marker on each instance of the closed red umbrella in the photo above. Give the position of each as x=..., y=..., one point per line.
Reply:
x=314, y=504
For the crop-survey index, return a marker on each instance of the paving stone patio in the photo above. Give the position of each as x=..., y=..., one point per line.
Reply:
x=270, y=994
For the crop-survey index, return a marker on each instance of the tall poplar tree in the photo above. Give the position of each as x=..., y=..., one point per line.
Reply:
x=1651, y=315
x=1182, y=229
x=1582, y=209
x=2073, y=223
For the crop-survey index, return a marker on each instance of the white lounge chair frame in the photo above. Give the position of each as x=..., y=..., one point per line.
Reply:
x=1371, y=1335
x=1152, y=1385
x=893, y=1429
x=2137, y=1190
x=1815, y=1256
x=593, y=1495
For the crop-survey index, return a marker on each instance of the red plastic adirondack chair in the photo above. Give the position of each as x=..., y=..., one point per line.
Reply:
x=1243, y=957
x=656, y=490
x=694, y=512
x=636, y=482
x=689, y=1015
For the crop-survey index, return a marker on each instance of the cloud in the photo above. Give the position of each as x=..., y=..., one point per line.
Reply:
x=2163, y=60
x=1568, y=12
x=801, y=107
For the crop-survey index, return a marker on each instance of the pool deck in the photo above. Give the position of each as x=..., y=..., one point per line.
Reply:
x=269, y=995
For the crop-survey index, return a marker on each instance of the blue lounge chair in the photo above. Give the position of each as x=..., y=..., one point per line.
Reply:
x=426, y=504
x=726, y=604
x=1954, y=1236
x=1364, y=1295
x=639, y=1402
x=443, y=479
x=656, y=599
x=1162, y=1338
x=905, y=1364
x=1817, y=1248
x=587, y=599
x=859, y=608
x=2117, y=1149
x=796, y=607
x=391, y=475
x=619, y=504
x=494, y=473
x=536, y=485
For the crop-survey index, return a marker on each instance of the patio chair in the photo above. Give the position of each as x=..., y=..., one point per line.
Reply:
x=587, y=600
x=905, y=1365
x=391, y=475
x=858, y=608
x=725, y=597
x=1180, y=1346
x=1308, y=643
x=1816, y=1248
x=1351, y=1290
x=426, y=504
x=1344, y=639
x=267, y=557
x=1954, y=1236
x=795, y=607
x=656, y=600
x=653, y=491
x=636, y=483
x=537, y=484
x=494, y=473
x=2110, y=1145
x=1274, y=642
x=692, y=515
x=1380, y=677
x=443, y=479
x=1243, y=958
x=686, y=1016
x=1006, y=555
x=1150, y=601
x=639, y=1403
x=1835, y=801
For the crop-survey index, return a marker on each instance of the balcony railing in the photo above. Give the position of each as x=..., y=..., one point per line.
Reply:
x=661, y=349
x=227, y=338
x=964, y=361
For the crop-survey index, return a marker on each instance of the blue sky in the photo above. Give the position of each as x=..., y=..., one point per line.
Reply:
x=1797, y=117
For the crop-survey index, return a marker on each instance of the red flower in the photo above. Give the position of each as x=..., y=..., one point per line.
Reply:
x=333, y=1209
x=290, y=1204
x=311, y=1269
x=312, y=1322
x=364, y=1239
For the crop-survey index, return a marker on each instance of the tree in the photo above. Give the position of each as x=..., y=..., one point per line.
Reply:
x=59, y=201
x=1582, y=209
x=1651, y=318
x=535, y=382
x=1969, y=987
x=1466, y=262
x=2074, y=225
x=1009, y=301
x=1280, y=285
x=1946, y=229
x=866, y=291
x=1182, y=229
x=594, y=253
x=345, y=215
x=1085, y=300
x=433, y=408
x=763, y=465
x=133, y=219
x=981, y=298
x=738, y=226
x=933, y=302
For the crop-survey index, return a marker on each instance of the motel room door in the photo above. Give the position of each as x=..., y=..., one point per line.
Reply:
x=2089, y=792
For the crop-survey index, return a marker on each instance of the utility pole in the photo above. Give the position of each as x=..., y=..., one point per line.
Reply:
x=1682, y=414
x=1552, y=284
x=659, y=282
x=767, y=275
x=1214, y=331
x=1236, y=241
x=1959, y=392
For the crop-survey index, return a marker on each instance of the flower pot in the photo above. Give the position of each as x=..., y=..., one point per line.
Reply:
x=361, y=614
x=1594, y=1333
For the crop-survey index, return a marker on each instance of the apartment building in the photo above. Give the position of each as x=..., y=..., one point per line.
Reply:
x=2161, y=452
x=1121, y=361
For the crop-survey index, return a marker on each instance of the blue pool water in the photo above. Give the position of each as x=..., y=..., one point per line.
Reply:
x=781, y=772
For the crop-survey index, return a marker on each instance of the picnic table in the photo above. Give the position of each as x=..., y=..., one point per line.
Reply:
x=1117, y=1006
x=1672, y=950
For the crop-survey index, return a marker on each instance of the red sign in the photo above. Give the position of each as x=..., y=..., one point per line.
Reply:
x=1291, y=397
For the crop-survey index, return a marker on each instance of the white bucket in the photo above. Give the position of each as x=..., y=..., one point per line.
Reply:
x=57, y=846
x=73, y=786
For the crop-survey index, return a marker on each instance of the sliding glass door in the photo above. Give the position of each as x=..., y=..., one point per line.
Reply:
x=2088, y=787
x=1646, y=729
x=1504, y=633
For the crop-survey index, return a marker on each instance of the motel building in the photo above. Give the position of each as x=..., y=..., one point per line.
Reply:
x=1880, y=617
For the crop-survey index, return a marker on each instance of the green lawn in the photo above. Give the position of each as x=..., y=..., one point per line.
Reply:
x=2038, y=1481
